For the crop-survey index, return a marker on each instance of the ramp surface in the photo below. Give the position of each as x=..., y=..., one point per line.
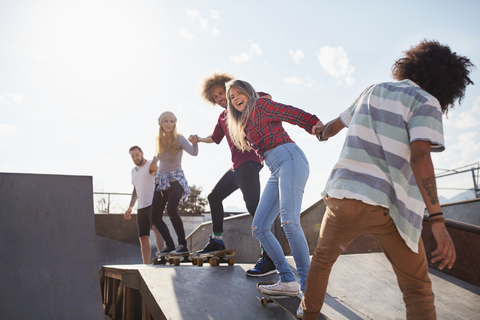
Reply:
x=362, y=286
x=47, y=248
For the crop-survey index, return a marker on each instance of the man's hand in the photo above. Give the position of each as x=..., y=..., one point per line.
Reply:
x=128, y=213
x=153, y=168
x=445, y=248
x=193, y=139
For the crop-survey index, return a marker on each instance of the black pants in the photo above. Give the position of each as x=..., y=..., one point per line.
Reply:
x=245, y=177
x=170, y=198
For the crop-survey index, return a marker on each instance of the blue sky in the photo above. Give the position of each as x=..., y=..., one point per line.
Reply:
x=83, y=81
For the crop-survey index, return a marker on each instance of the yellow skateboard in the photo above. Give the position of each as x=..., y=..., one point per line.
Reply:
x=223, y=256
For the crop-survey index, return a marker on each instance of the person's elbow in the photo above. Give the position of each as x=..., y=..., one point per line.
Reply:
x=420, y=153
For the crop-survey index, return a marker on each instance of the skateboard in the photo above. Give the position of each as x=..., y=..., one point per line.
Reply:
x=288, y=303
x=223, y=256
x=173, y=259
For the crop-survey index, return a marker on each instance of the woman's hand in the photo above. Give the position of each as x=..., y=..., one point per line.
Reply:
x=318, y=127
x=193, y=138
x=153, y=168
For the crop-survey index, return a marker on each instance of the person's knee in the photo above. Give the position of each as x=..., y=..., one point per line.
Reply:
x=214, y=197
x=251, y=206
x=260, y=232
x=289, y=225
x=144, y=240
x=172, y=213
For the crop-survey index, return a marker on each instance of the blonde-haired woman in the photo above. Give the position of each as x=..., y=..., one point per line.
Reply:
x=170, y=183
x=256, y=123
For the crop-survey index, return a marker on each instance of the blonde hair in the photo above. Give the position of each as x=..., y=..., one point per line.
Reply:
x=237, y=120
x=163, y=144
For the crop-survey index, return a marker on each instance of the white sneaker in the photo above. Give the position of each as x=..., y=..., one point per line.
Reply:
x=300, y=311
x=281, y=288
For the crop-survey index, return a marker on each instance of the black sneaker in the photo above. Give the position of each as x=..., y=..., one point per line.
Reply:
x=181, y=250
x=263, y=267
x=165, y=251
x=213, y=246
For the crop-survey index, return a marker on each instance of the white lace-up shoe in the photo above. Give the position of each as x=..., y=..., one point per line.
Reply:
x=281, y=288
x=300, y=311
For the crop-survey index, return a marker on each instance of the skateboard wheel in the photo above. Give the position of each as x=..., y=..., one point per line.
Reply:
x=170, y=260
x=213, y=262
x=231, y=261
x=194, y=261
x=177, y=262
x=199, y=262
x=154, y=261
x=264, y=302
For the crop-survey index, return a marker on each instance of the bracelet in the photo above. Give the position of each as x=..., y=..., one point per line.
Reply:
x=436, y=214
x=320, y=138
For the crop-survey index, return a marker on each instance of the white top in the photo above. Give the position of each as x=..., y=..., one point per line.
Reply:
x=144, y=185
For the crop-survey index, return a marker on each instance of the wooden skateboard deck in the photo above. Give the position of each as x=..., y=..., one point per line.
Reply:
x=288, y=303
x=223, y=256
x=173, y=259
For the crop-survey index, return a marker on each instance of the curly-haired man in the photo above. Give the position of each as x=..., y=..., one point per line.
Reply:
x=384, y=178
x=243, y=175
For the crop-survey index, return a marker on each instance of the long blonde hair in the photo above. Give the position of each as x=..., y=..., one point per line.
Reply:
x=164, y=145
x=237, y=120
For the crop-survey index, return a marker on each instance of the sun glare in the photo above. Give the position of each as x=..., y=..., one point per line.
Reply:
x=97, y=46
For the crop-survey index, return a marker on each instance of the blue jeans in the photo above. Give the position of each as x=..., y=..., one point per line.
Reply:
x=283, y=193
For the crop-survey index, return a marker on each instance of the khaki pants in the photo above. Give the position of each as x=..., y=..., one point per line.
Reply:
x=345, y=220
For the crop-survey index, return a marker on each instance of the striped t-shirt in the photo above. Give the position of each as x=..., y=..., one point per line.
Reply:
x=374, y=165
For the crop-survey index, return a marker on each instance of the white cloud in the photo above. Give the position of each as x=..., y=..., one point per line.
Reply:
x=192, y=14
x=468, y=147
x=214, y=14
x=335, y=61
x=196, y=17
x=255, y=48
x=294, y=81
x=297, y=55
x=203, y=24
x=185, y=34
x=242, y=57
x=215, y=31
x=6, y=129
x=463, y=120
x=8, y=97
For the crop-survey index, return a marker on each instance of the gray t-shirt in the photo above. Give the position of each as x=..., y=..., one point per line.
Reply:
x=170, y=162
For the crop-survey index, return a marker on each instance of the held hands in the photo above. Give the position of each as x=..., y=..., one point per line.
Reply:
x=445, y=249
x=153, y=168
x=128, y=213
x=193, y=139
x=318, y=127
x=318, y=130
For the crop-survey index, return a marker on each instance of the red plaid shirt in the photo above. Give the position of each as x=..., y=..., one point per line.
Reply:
x=264, y=129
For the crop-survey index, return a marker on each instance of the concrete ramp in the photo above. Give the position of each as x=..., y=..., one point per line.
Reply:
x=186, y=292
x=361, y=286
x=48, y=267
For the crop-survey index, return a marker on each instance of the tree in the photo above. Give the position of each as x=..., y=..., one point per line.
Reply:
x=194, y=203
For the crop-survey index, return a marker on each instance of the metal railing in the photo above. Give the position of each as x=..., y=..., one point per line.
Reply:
x=105, y=202
x=475, y=177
